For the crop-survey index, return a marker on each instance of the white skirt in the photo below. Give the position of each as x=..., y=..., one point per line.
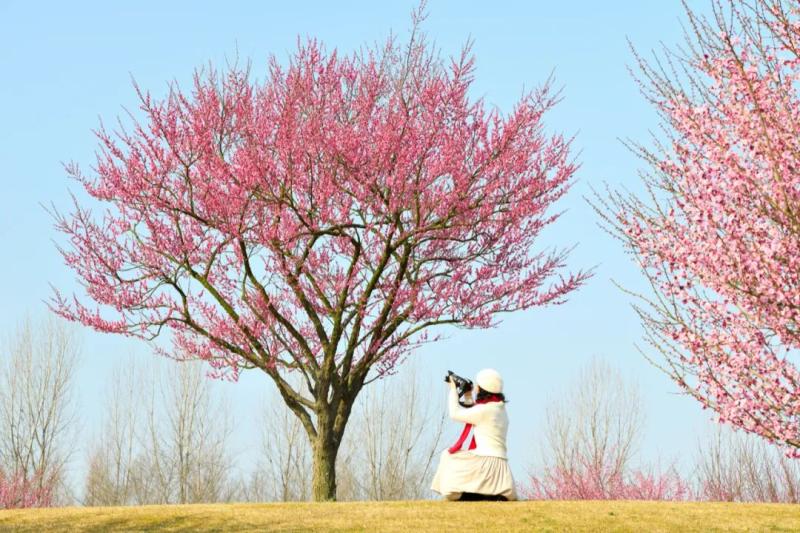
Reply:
x=466, y=472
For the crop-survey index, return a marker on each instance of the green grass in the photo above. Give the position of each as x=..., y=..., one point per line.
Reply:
x=427, y=516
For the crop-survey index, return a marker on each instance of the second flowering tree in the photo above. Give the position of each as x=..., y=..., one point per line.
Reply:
x=719, y=234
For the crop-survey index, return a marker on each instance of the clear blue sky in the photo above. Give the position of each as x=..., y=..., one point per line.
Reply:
x=65, y=64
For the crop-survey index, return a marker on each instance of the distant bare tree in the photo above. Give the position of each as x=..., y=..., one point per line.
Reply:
x=394, y=436
x=591, y=436
x=733, y=466
x=387, y=452
x=165, y=440
x=283, y=471
x=37, y=418
x=595, y=426
x=349, y=472
x=110, y=479
x=198, y=430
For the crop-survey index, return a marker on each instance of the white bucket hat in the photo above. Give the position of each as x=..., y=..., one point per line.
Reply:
x=489, y=380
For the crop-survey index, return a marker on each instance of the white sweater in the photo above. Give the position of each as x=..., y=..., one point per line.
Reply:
x=490, y=423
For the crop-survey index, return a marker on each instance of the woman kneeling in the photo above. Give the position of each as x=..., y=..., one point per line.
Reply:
x=481, y=472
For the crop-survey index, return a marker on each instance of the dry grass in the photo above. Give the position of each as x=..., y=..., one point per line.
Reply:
x=424, y=516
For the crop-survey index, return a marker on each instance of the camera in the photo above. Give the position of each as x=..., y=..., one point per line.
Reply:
x=463, y=385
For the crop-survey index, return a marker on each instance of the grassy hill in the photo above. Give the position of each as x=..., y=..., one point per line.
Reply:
x=413, y=516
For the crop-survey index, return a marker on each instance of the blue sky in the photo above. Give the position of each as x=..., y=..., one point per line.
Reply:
x=64, y=65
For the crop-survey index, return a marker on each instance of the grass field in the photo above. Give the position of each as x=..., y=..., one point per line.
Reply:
x=413, y=516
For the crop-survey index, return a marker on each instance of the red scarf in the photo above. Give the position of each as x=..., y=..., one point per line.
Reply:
x=467, y=427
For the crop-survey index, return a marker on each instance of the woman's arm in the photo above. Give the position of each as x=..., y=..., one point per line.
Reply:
x=470, y=415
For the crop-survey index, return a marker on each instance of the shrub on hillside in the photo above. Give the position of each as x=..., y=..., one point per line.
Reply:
x=17, y=491
x=586, y=481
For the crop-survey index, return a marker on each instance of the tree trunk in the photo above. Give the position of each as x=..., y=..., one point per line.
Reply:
x=331, y=423
x=323, y=483
x=325, y=436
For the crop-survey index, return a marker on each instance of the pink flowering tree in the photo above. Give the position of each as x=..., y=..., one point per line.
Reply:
x=320, y=222
x=718, y=235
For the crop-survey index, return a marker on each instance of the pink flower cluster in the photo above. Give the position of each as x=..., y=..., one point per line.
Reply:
x=18, y=491
x=590, y=481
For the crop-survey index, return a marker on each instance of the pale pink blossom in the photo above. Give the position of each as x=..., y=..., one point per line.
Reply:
x=18, y=491
x=719, y=238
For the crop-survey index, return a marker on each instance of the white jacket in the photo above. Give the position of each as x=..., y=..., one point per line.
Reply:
x=490, y=423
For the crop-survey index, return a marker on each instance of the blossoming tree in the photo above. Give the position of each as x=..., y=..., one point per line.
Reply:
x=719, y=234
x=319, y=222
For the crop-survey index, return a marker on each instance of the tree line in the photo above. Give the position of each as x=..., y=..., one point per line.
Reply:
x=166, y=436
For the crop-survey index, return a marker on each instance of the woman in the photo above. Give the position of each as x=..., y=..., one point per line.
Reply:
x=481, y=472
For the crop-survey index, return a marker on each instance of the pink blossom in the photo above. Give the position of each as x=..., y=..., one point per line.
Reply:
x=598, y=481
x=321, y=218
x=718, y=238
x=18, y=491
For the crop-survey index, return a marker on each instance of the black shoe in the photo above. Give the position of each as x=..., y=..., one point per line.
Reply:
x=475, y=497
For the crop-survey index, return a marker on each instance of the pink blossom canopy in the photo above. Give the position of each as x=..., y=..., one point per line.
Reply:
x=321, y=219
